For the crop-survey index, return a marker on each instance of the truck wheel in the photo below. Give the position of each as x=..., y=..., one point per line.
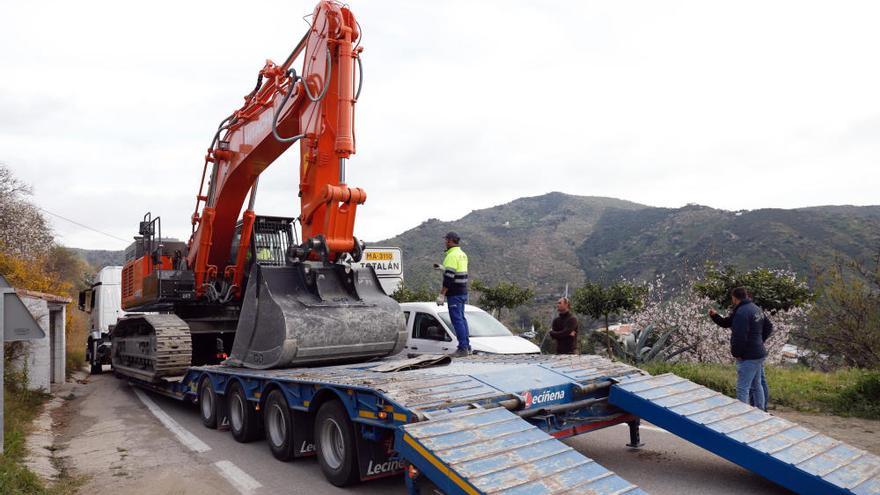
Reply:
x=244, y=420
x=278, y=424
x=335, y=444
x=207, y=403
x=97, y=368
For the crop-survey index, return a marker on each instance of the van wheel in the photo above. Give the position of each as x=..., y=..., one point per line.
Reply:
x=97, y=368
x=207, y=403
x=278, y=424
x=244, y=420
x=335, y=445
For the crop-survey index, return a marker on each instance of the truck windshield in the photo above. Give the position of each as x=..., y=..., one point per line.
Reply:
x=480, y=324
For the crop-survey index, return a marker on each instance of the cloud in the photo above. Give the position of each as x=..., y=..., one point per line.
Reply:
x=465, y=105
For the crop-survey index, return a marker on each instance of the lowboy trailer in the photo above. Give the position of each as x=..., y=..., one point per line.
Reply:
x=492, y=423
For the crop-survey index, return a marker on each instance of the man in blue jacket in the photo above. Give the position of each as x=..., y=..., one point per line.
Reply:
x=766, y=331
x=747, y=346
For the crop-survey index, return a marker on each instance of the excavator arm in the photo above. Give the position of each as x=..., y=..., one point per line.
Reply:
x=305, y=305
x=314, y=108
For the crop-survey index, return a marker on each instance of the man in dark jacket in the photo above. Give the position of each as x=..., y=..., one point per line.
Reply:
x=564, y=329
x=766, y=331
x=747, y=346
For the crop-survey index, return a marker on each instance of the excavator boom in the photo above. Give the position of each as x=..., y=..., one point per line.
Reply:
x=286, y=302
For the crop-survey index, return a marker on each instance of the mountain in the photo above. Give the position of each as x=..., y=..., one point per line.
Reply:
x=531, y=241
x=99, y=258
x=555, y=239
x=548, y=241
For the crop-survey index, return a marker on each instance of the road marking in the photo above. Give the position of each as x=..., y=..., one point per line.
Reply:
x=238, y=478
x=653, y=428
x=186, y=438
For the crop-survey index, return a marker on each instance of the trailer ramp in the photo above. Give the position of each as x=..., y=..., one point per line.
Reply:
x=795, y=457
x=483, y=451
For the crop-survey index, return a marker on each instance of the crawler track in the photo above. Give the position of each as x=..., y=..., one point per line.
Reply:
x=149, y=347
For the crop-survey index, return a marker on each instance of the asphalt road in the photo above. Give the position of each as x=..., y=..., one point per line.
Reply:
x=666, y=465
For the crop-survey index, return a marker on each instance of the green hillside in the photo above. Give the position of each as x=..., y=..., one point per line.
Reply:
x=531, y=241
x=547, y=241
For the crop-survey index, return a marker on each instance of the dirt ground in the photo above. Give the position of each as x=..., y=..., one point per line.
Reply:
x=106, y=434
x=862, y=433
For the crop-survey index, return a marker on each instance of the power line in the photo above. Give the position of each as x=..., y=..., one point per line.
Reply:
x=81, y=225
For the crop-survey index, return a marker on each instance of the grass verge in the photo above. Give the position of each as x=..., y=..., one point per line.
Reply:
x=20, y=407
x=850, y=392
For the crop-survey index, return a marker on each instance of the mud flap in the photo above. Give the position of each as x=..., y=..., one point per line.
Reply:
x=303, y=434
x=377, y=458
x=222, y=412
x=315, y=313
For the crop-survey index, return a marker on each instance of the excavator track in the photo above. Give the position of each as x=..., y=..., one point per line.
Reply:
x=149, y=347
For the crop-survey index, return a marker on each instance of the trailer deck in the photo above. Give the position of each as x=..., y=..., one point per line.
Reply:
x=491, y=423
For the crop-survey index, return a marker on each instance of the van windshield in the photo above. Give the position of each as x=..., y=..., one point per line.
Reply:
x=480, y=324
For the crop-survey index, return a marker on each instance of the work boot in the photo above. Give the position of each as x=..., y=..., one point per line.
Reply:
x=461, y=353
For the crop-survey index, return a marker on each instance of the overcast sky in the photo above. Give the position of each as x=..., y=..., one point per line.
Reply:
x=106, y=108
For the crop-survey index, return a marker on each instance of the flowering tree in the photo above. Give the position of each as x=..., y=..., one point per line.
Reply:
x=694, y=337
x=24, y=231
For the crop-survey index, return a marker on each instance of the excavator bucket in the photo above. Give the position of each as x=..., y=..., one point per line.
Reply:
x=315, y=313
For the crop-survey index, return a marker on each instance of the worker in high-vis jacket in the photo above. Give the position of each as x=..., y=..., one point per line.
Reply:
x=455, y=292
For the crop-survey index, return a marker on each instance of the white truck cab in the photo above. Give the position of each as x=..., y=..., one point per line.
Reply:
x=430, y=331
x=102, y=301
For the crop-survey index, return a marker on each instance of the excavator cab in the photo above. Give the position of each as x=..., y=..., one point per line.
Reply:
x=296, y=312
x=270, y=242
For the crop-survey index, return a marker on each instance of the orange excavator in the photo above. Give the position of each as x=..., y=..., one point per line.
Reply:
x=244, y=290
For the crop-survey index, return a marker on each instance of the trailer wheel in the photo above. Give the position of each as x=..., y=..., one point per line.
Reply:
x=278, y=424
x=335, y=444
x=207, y=403
x=244, y=420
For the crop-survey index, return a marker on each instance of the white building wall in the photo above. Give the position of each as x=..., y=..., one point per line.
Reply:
x=37, y=355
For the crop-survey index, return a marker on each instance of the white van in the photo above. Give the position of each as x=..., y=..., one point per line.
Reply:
x=430, y=331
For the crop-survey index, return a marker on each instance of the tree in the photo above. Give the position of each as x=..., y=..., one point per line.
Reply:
x=602, y=302
x=693, y=337
x=772, y=290
x=66, y=264
x=405, y=294
x=845, y=321
x=503, y=295
x=25, y=232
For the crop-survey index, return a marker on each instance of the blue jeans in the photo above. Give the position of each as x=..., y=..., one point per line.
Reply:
x=748, y=379
x=766, y=391
x=459, y=323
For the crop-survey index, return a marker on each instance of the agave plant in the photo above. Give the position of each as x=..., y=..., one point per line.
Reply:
x=635, y=348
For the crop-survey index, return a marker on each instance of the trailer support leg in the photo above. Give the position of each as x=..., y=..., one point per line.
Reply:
x=634, y=437
x=412, y=487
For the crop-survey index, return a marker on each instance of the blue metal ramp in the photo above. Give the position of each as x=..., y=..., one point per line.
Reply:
x=483, y=451
x=795, y=457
